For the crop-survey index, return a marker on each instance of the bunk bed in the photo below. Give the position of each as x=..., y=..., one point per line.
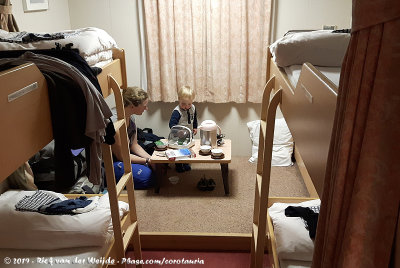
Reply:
x=316, y=57
x=309, y=108
x=26, y=117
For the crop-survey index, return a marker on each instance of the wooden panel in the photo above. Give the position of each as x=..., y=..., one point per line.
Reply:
x=309, y=112
x=117, y=69
x=25, y=121
x=113, y=68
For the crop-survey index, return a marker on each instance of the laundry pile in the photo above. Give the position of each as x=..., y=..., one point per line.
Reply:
x=47, y=203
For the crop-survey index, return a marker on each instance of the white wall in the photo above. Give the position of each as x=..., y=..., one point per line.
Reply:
x=119, y=19
x=310, y=14
x=55, y=19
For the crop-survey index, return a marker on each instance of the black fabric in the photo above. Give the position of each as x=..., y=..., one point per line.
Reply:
x=342, y=31
x=147, y=139
x=309, y=216
x=25, y=37
x=68, y=116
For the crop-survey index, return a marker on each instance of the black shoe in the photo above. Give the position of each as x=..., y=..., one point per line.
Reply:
x=179, y=168
x=210, y=185
x=186, y=167
x=202, y=184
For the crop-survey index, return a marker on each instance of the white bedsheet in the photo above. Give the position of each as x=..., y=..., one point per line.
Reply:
x=32, y=230
x=332, y=73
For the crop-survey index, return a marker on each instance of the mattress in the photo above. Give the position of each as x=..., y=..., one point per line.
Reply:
x=332, y=73
x=86, y=257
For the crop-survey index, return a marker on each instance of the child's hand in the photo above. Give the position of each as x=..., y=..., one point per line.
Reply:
x=194, y=131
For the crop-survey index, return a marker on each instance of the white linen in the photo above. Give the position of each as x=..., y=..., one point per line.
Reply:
x=293, y=241
x=101, y=64
x=91, y=43
x=99, y=57
x=293, y=73
x=282, y=146
x=322, y=48
x=32, y=230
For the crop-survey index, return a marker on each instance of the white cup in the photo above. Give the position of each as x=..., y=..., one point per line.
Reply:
x=205, y=148
x=217, y=152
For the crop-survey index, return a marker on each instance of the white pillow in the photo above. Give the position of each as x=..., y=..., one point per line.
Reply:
x=32, y=230
x=293, y=241
x=322, y=48
x=282, y=146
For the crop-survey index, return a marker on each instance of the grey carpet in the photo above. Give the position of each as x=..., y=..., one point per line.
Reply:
x=182, y=207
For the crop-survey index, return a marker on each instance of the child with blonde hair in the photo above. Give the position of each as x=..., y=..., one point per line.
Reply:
x=185, y=115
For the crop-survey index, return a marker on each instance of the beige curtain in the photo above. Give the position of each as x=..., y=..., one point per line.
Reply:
x=218, y=47
x=7, y=20
x=360, y=205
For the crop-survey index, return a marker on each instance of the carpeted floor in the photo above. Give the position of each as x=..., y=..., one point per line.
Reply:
x=182, y=207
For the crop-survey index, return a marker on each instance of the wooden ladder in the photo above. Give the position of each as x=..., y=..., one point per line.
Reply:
x=126, y=229
x=267, y=127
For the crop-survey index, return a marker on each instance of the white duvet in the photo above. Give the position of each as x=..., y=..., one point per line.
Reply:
x=32, y=230
x=94, y=44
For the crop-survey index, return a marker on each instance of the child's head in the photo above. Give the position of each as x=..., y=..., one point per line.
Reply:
x=185, y=97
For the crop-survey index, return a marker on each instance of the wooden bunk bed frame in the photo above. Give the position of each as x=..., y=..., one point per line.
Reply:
x=25, y=86
x=309, y=110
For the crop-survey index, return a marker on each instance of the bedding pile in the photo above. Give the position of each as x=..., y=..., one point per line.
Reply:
x=32, y=230
x=95, y=45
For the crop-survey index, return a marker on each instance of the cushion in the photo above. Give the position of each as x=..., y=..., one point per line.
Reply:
x=283, y=143
x=322, y=48
x=32, y=230
x=292, y=238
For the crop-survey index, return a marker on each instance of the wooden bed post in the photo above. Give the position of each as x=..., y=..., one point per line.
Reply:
x=267, y=127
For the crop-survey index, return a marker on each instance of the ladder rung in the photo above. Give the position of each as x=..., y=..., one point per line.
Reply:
x=259, y=183
x=128, y=234
x=118, y=124
x=255, y=235
x=123, y=181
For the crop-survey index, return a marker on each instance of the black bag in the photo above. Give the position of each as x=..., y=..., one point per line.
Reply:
x=43, y=167
x=147, y=139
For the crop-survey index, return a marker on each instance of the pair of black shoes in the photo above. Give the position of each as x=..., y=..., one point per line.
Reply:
x=182, y=168
x=206, y=185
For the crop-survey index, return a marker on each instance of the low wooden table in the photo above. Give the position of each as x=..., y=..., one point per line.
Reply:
x=161, y=170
